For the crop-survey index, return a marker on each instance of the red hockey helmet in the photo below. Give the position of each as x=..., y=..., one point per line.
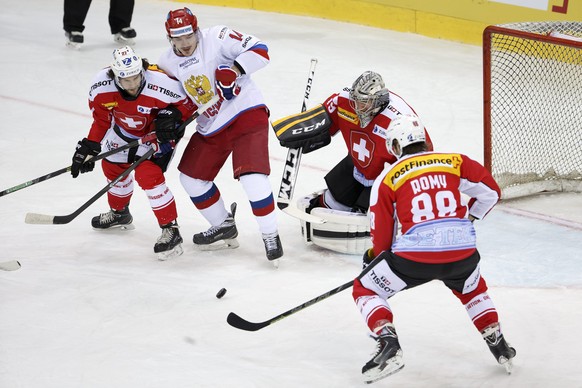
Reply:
x=181, y=22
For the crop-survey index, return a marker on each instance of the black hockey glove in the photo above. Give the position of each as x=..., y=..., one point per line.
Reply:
x=367, y=258
x=84, y=149
x=166, y=123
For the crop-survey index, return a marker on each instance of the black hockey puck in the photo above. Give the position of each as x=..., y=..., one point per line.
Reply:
x=221, y=293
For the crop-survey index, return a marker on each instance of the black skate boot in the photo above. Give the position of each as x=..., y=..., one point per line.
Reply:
x=125, y=36
x=221, y=236
x=74, y=39
x=113, y=218
x=273, y=247
x=169, y=243
x=315, y=202
x=388, y=357
x=501, y=350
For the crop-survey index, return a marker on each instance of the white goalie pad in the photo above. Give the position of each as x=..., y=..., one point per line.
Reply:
x=342, y=231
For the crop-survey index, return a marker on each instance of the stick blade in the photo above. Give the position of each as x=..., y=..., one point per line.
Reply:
x=236, y=321
x=293, y=211
x=12, y=265
x=35, y=218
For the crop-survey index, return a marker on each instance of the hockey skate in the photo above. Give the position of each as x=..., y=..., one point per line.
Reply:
x=125, y=36
x=501, y=350
x=388, y=357
x=273, y=247
x=74, y=39
x=113, y=219
x=169, y=243
x=219, y=237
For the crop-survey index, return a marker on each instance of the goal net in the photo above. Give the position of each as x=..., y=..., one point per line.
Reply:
x=532, y=74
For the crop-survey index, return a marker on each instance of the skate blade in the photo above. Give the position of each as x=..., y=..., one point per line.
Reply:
x=507, y=364
x=393, y=365
x=275, y=263
x=230, y=243
x=73, y=45
x=117, y=228
x=121, y=40
x=167, y=255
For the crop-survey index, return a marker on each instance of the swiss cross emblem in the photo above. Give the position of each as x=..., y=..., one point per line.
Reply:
x=362, y=148
x=127, y=122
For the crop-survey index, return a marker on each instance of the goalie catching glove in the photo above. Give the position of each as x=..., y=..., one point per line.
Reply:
x=308, y=130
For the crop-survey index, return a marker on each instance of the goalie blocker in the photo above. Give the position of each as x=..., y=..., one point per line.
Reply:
x=344, y=232
x=308, y=130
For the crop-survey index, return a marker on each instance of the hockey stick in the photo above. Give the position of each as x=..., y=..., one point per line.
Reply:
x=291, y=168
x=135, y=143
x=147, y=138
x=11, y=265
x=242, y=324
x=35, y=218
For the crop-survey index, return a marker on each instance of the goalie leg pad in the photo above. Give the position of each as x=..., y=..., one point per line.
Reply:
x=303, y=204
x=344, y=232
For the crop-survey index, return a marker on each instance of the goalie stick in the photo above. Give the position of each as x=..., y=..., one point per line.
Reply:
x=35, y=218
x=291, y=168
x=240, y=323
x=147, y=138
x=11, y=265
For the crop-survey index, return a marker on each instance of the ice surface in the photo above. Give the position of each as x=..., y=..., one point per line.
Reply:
x=91, y=309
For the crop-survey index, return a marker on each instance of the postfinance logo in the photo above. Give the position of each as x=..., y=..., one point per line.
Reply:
x=413, y=167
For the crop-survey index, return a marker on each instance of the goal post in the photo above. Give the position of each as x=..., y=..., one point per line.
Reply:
x=532, y=83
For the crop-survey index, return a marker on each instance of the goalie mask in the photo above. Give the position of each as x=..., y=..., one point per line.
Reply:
x=126, y=65
x=368, y=97
x=404, y=131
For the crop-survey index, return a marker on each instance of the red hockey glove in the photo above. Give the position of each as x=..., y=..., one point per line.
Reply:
x=226, y=85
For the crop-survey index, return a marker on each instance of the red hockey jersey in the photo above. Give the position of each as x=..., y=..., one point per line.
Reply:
x=367, y=146
x=133, y=116
x=423, y=193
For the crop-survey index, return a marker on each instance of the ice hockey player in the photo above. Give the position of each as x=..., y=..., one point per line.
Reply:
x=362, y=115
x=422, y=191
x=128, y=100
x=220, y=61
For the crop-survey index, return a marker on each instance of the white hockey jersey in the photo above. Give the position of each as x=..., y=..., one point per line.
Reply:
x=218, y=45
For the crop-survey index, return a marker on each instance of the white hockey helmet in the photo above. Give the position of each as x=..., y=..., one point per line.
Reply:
x=368, y=96
x=404, y=130
x=126, y=63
